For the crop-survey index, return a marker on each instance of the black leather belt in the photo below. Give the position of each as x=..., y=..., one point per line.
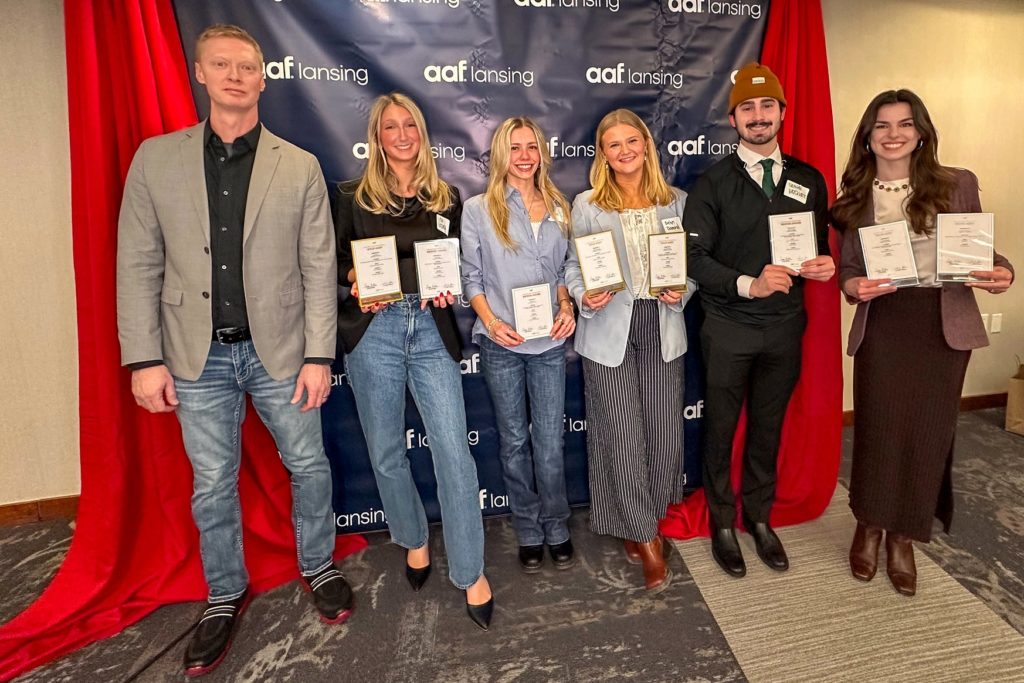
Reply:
x=232, y=335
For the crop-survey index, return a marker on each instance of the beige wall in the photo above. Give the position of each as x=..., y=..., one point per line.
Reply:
x=38, y=342
x=965, y=60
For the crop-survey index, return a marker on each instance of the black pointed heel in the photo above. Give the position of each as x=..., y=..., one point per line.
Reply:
x=481, y=614
x=417, y=577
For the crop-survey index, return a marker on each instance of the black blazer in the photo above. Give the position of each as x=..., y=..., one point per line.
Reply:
x=352, y=222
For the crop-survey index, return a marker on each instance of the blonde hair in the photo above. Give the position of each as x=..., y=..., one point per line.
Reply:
x=375, y=192
x=227, y=31
x=607, y=193
x=497, y=182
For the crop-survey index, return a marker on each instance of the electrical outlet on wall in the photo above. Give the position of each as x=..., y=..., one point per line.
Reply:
x=997, y=322
x=984, y=320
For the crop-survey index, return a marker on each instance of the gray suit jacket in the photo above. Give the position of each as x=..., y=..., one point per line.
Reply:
x=961, y=319
x=601, y=335
x=164, y=272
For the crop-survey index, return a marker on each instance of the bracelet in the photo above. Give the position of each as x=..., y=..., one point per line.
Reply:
x=562, y=301
x=491, y=324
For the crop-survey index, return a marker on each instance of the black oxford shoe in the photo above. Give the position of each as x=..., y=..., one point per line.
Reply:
x=562, y=554
x=212, y=637
x=726, y=551
x=531, y=557
x=769, y=547
x=332, y=595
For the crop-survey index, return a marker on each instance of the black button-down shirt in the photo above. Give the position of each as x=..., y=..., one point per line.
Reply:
x=228, y=171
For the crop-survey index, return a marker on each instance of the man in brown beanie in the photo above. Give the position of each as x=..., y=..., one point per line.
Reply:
x=754, y=311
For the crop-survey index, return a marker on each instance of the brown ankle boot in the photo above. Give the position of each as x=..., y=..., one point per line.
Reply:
x=900, y=563
x=864, y=552
x=632, y=552
x=656, y=572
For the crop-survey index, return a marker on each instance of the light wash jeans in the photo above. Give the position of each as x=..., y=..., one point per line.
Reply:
x=534, y=476
x=402, y=348
x=211, y=411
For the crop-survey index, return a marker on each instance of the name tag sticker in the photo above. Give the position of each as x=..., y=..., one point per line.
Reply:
x=559, y=214
x=796, y=191
x=443, y=224
x=672, y=224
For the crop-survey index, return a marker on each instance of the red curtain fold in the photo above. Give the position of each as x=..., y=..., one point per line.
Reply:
x=135, y=545
x=794, y=48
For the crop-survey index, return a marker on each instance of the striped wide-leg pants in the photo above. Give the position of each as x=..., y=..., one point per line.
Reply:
x=635, y=433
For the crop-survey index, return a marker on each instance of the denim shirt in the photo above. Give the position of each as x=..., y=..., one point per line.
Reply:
x=491, y=269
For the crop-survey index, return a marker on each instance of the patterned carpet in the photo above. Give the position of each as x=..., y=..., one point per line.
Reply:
x=590, y=623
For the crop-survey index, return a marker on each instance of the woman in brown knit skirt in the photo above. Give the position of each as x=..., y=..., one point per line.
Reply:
x=910, y=345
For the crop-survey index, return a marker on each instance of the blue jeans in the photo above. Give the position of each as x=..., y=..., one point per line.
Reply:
x=402, y=348
x=534, y=477
x=211, y=411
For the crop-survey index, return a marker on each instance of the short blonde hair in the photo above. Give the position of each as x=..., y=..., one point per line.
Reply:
x=375, y=192
x=227, y=31
x=607, y=194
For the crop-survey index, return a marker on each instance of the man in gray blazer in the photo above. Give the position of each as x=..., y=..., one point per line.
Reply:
x=226, y=286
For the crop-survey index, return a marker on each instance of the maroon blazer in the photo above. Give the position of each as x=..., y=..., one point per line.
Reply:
x=961, y=319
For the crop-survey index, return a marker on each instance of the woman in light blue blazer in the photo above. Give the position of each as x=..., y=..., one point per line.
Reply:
x=632, y=344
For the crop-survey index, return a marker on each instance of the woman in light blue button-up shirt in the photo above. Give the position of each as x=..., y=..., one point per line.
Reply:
x=516, y=235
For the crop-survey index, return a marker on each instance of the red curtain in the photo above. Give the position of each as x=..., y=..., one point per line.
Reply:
x=135, y=546
x=794, y=48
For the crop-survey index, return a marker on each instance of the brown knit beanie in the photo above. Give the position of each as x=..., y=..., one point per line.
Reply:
x=755, y=80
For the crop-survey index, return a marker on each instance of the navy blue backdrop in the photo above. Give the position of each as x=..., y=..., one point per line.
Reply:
x=470, y=64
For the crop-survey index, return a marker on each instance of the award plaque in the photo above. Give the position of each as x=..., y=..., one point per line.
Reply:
x=533, y=311
x=376, y=265
x=438, y=268
x=667, y=256
x=792, y=239
x=964, y=243
x=888, y=254
x=599, y=263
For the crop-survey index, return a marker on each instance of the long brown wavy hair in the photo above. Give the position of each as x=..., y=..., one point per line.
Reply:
x=931, y=184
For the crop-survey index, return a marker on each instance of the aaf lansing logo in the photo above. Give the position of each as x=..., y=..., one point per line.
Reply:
x=699, y=146
x=361, y=151
x=731, y=9
x=288, y=69
x=620, y=74
x=559, y=149
x=464, y=72
x=610, y=5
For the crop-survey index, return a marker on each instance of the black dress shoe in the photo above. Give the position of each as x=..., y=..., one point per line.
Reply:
x=531, y=557
x=332, y=595
x=769, y=547
x=417, y=577
x=481, y=614
x=726, y=551
x=213, y=634
x=562, y=554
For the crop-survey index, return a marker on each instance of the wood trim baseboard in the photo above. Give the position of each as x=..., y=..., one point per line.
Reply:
x=967, y=404
x=65, y=507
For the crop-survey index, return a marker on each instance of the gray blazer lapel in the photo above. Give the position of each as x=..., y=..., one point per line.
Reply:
x=268, y=153
x=192, y=161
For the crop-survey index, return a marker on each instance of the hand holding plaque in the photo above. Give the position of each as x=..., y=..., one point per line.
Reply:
x=792, y=239
x=963, y=243
x=533, y=311
x=599, y=263
x=888, y=254
x=376, y=264
x=437, y=267
x=667, y=257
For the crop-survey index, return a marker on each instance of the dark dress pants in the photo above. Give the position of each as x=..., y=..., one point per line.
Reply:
x=761, y=364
